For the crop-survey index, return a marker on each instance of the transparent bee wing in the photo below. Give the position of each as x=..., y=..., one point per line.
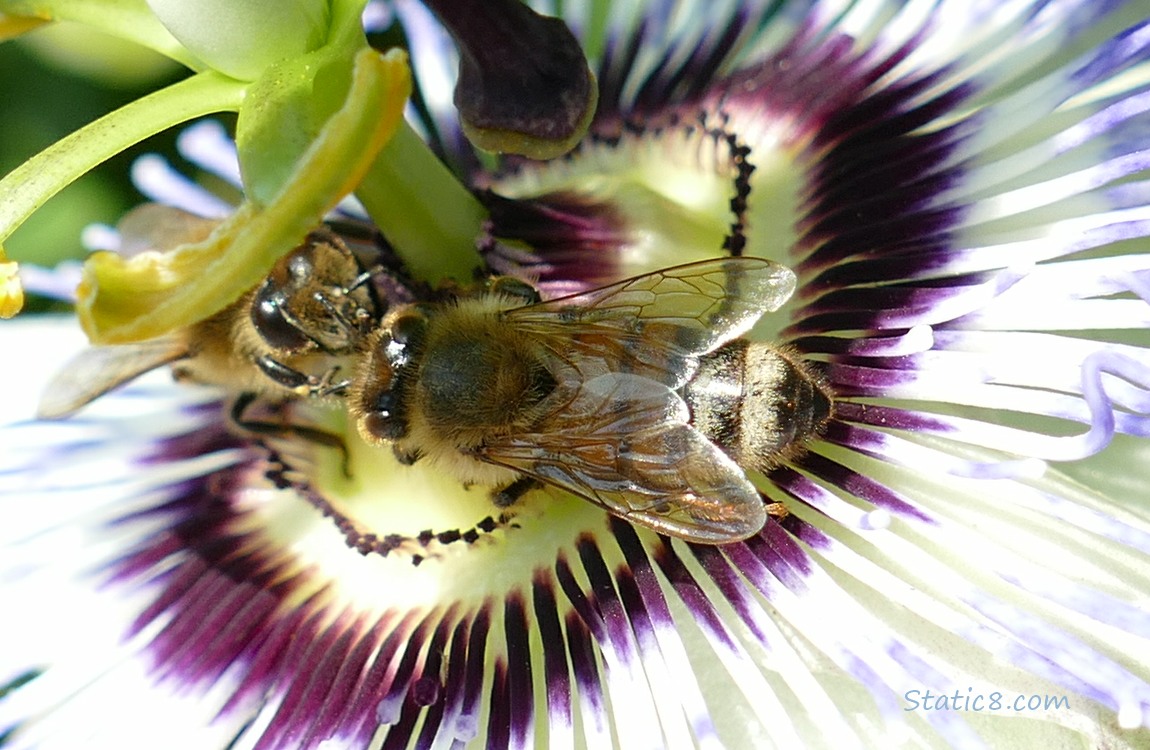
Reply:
x=154, y=226
x=655, y=325
x=97, y=370
x=623, y=443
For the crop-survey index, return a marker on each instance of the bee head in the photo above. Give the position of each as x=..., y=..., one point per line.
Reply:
x=271, y=313
x=384, y=380
x=311, y=300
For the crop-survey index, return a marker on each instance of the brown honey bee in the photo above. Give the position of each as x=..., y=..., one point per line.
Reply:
x=313, y=307
x=639, y=397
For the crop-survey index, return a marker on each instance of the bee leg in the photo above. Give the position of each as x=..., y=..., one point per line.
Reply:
x=299, y=382
x=778, y=510
x=327, y=385
x=273, y=429
x=509, y=495
x=407, y=458
x=278, y=372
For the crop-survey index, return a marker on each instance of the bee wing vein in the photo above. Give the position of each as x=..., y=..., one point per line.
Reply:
x=657, y=325
x=625, y=444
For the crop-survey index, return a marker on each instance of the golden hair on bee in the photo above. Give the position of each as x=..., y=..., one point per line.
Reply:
x=464, y=377
x=758, y=402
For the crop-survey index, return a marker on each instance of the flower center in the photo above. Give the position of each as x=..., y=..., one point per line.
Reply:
x=416, y=514
x=657, y=196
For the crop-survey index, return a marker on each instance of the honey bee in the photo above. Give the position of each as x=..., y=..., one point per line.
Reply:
x=639, y=396
x=314, y=307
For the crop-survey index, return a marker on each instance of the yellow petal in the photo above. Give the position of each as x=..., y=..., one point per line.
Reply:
x=122, y=300
x=11, y=290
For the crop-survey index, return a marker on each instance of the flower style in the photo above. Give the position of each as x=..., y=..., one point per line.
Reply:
x=960, y=189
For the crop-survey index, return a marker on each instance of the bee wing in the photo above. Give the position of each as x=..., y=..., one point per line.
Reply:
x=624, y=443
x=154, y=226
x=97, y=370
x=654, y=325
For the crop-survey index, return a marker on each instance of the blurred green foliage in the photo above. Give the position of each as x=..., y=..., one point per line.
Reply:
x=53, y=81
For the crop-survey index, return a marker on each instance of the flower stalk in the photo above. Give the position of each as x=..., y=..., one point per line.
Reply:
x=316, y=105
x=30, y=185
x=423, y=209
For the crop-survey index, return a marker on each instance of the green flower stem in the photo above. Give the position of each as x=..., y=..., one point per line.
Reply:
x=430, y=218
x=346, y=28
x=126, y=19
x=31, y=184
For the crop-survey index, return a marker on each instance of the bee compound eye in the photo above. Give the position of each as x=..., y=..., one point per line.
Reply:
x=384, y=420
x=512, y=287
x=407, y=329
x=267, y=317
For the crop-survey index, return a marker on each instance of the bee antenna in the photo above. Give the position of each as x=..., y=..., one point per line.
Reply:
x=364, y=277
x=350, y=329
